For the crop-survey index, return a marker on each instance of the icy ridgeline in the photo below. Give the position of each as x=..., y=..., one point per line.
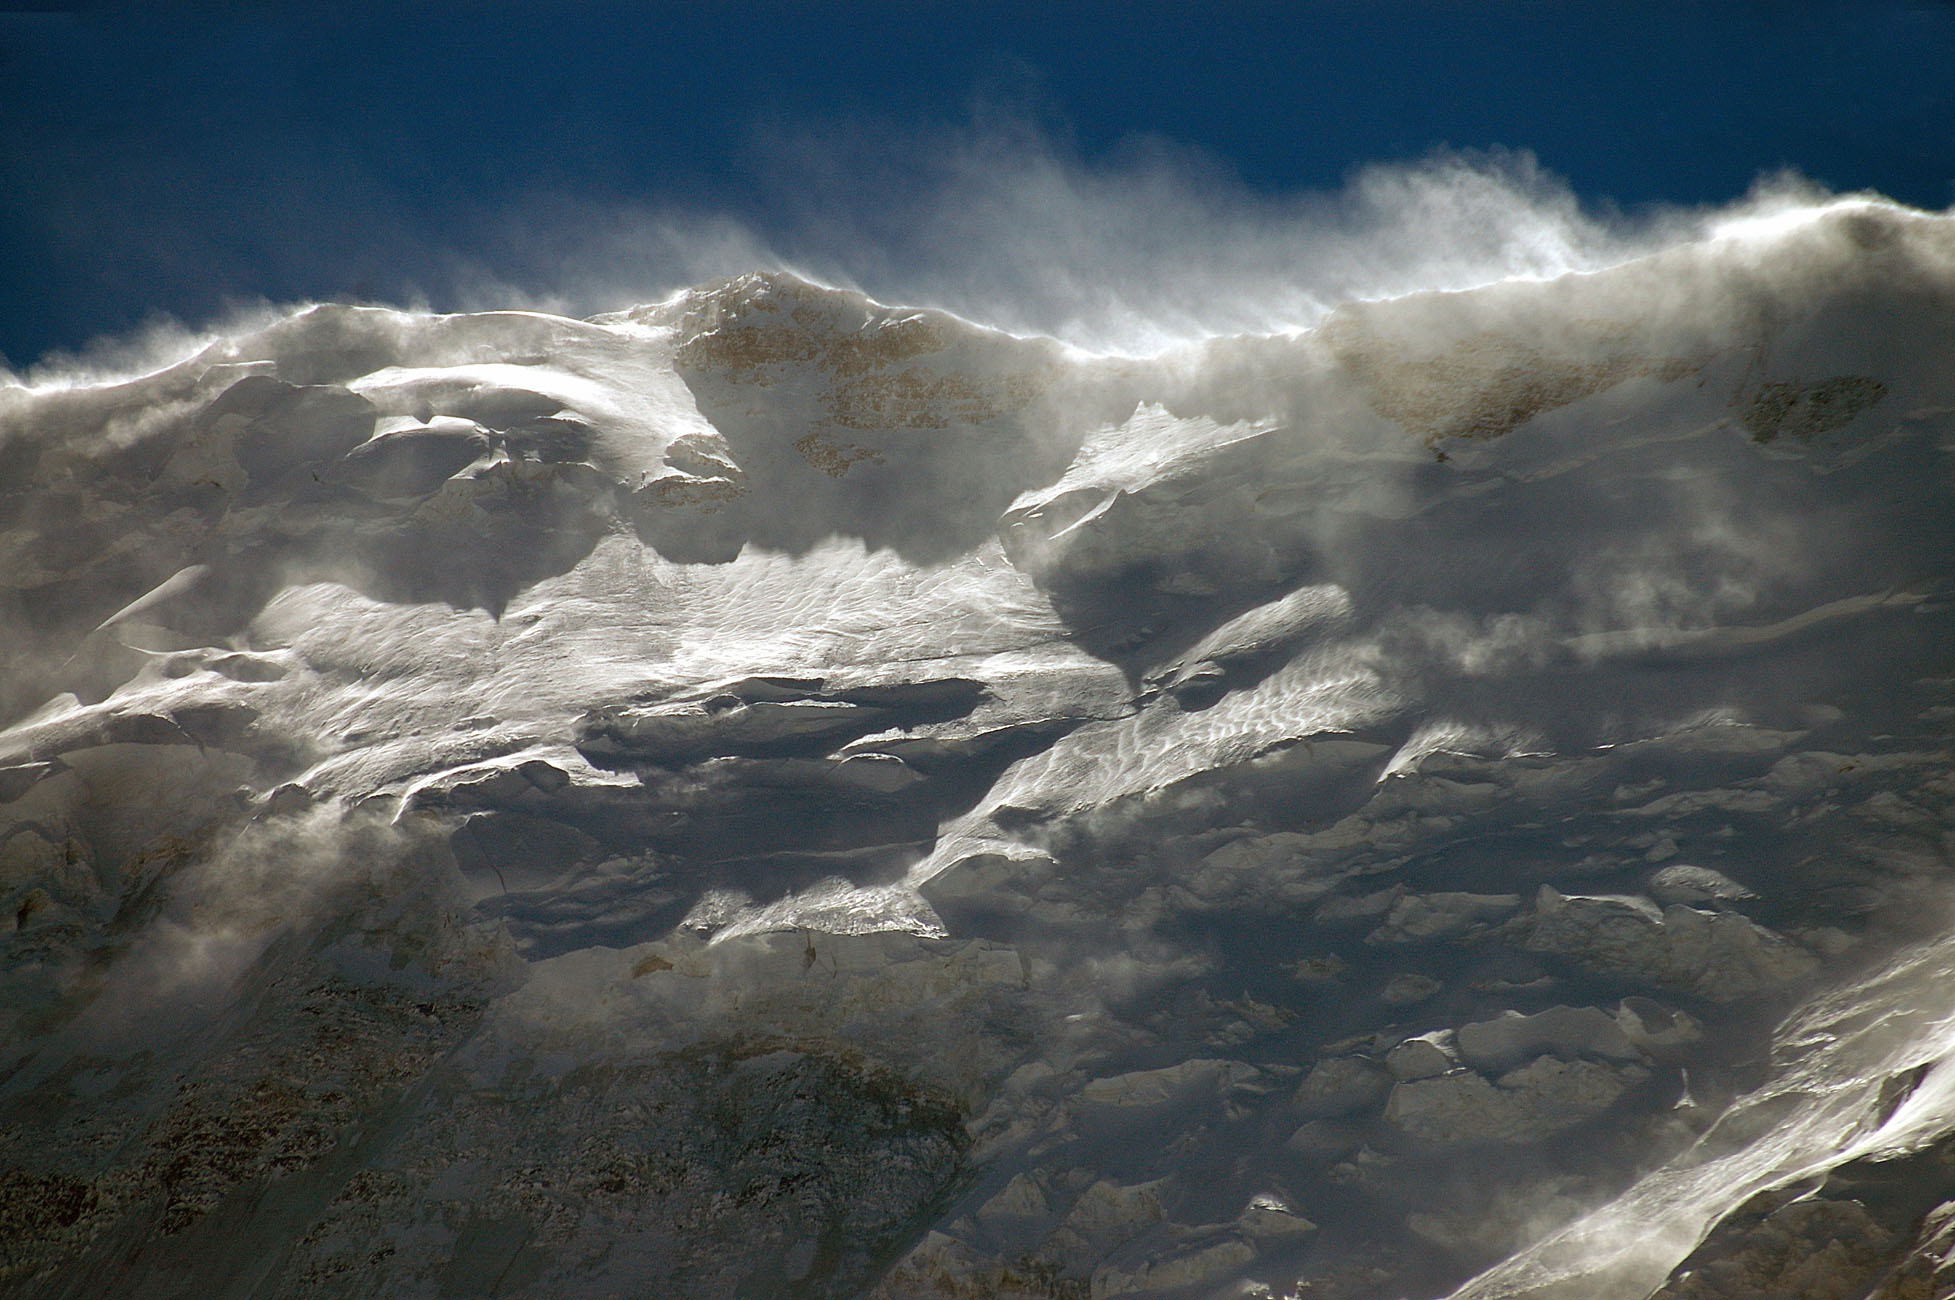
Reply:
x=770, y=795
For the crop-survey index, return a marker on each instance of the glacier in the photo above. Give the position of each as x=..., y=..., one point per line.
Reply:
x=773, y=794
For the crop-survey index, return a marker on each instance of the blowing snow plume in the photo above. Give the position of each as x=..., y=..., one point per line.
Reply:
x=1159, y=245
x=769, y=793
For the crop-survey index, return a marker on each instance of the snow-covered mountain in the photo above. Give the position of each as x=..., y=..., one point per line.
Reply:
x=770, y=794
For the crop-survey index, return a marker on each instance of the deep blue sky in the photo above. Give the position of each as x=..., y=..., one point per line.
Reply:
x=173, y=158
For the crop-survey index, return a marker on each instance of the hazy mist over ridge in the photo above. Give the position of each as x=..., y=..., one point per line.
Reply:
x=1002, y=228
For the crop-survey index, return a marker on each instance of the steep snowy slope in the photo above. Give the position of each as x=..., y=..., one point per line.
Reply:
x=770, y=794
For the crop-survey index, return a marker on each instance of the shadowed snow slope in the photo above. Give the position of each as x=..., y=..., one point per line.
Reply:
x=769, y=794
